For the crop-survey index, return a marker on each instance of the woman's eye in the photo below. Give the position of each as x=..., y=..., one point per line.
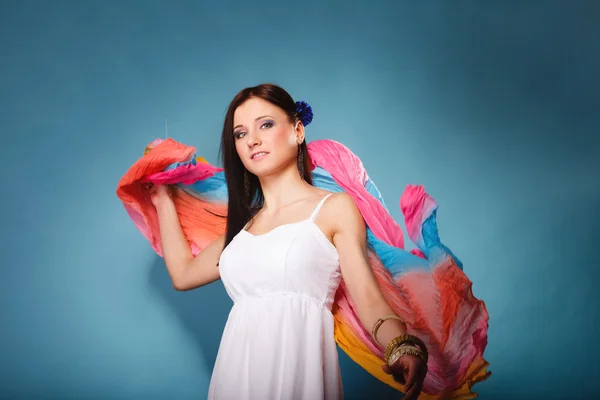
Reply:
x=266, y=125
x=239, y=135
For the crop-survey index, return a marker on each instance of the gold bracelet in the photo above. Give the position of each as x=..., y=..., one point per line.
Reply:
x=378, y=324
x=399, y=352
x=404, y=340
x=405, y=350
x=396, y=343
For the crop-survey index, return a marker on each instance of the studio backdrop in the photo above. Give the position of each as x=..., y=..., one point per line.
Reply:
x=492, y=106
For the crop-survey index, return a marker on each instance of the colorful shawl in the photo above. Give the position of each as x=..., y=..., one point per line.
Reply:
x=426, y=287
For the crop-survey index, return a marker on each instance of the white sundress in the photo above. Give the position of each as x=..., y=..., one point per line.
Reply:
x=278, y=342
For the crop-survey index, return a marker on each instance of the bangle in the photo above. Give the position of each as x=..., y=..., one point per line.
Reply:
x=395, y=343
x=378, y=324
x=406, y=341
x=406, y=350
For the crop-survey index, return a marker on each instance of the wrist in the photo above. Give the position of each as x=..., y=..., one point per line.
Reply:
x=390, y=333
x=405, y=345
x=164, y=204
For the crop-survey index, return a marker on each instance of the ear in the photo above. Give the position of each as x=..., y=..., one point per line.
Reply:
x=299, y=128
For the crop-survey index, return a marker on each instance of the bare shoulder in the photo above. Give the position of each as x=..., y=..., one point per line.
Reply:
x=344, y=215
x=342, y=203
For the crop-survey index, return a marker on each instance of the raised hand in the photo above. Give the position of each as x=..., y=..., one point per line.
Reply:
x=158, y=193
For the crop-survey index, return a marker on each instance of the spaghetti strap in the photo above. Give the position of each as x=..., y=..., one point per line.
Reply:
x=318, y=207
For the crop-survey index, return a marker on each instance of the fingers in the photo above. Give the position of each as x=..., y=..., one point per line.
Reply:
x=398, y=378
x=410, y=371
x=412, y=376
x=414, y=391
x=415, y=385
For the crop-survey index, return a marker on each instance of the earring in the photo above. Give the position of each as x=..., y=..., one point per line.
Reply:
x=246, y=184
x=301, y=162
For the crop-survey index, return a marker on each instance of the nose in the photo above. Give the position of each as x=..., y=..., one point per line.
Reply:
x=253, y=138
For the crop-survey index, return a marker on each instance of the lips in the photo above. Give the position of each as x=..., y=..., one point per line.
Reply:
x=259, y=155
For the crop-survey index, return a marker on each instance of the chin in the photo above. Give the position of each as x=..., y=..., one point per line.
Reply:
x=265, y=170
x=266, y=167
x=260, y=172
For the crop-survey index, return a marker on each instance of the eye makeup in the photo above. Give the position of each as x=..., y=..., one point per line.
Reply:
x=268, y=122
x=263, y=125
x=238, y=134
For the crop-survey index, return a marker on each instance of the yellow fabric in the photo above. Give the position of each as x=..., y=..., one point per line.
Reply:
x=361, y=355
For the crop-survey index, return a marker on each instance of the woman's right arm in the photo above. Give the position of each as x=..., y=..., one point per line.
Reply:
x=186, y=271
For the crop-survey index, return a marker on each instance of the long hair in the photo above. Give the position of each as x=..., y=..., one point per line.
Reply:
x=241, y=207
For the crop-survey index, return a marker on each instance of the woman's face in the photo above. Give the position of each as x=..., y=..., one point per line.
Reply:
x=265, y=140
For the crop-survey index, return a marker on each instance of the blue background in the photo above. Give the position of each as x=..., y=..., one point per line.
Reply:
x=493, y=106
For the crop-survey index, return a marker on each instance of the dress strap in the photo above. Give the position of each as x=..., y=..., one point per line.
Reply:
x=318, y=207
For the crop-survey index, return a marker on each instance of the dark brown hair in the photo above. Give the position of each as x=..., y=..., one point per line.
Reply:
x=241, y=207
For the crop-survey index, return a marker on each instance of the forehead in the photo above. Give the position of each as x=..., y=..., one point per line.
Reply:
x=254, y=108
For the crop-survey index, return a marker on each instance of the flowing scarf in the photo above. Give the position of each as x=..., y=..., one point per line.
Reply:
x=426, y=287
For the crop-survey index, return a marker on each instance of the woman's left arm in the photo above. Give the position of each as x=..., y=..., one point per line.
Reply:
x=350, y=239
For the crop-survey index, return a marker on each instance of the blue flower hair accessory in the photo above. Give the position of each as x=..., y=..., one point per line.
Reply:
x=305, y=112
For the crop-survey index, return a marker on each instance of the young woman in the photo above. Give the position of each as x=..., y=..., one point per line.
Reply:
x=286, y=247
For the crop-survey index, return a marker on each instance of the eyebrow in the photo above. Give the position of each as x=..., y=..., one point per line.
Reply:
x=264, y=116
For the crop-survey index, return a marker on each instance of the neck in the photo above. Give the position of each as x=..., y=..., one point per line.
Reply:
x=283, y=188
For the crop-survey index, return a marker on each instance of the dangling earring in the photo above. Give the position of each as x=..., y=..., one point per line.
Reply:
x=301, y=162
x=246, y=183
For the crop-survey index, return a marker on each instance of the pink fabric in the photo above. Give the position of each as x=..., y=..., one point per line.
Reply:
x=348, y=171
